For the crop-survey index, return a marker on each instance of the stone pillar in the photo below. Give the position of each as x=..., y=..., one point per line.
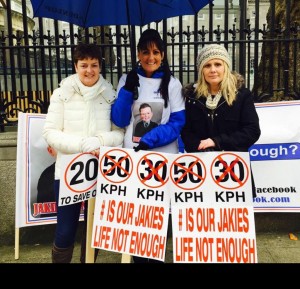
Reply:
x=8, y=153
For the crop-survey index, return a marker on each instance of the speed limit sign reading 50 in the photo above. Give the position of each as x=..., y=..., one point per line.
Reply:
x=188, y=172
x=116, y=166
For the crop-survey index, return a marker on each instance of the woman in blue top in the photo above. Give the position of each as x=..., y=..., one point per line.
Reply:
x=155, y=85
x=152, y=82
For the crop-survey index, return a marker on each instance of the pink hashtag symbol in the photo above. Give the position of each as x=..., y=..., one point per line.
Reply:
x=102, y=210
x=180, y=219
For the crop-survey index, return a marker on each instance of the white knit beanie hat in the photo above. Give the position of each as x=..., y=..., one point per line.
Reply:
x=210, y=52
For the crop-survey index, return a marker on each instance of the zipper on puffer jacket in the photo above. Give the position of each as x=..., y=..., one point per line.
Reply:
x=213, y=112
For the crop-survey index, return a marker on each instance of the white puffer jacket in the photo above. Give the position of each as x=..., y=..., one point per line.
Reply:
x=71, y=118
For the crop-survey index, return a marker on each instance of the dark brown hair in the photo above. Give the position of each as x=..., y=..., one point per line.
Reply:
x=87, y=50
x=147, y=39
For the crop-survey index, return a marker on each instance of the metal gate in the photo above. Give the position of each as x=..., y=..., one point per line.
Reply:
x=34, y=59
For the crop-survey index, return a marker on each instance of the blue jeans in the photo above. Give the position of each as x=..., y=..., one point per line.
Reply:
x=67, y=221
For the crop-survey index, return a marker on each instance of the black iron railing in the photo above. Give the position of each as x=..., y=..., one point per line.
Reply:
x=34, y=61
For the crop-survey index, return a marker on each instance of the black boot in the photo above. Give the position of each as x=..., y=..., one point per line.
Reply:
x=62, y=255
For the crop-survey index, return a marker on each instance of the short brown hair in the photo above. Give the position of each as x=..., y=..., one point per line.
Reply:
x=87, y=50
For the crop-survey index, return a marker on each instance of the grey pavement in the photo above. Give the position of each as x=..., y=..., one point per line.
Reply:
x=274, y=247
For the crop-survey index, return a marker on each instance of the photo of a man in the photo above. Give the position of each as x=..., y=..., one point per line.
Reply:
x=45, y=205
x=45, y=185
x=145, y=124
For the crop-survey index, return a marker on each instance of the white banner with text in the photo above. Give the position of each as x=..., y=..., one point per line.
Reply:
x=275, y=157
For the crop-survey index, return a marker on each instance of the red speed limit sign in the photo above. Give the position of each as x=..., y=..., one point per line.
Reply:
x=229, y=171
x=188, y=172
x=81, y=173
x=152, y=170
x=116, y=166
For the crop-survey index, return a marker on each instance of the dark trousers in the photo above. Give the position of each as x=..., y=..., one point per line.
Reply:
x=67, y=221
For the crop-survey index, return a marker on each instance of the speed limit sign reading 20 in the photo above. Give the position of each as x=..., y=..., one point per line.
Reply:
x=81, y=173
x=229, y=171
x=188, y=172
x=116, y=166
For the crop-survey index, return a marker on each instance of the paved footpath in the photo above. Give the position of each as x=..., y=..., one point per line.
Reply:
x=271, y=248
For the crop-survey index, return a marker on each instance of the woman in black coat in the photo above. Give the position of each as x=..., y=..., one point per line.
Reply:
x=220, y=111
x=229, y=124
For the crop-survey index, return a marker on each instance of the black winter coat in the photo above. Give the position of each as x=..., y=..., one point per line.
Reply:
x=233, y=128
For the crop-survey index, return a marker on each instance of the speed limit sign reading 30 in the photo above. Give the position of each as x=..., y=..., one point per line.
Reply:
x=152, y=170
x=229, y=171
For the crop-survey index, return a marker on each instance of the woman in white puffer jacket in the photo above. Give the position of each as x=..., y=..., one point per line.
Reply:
x=78, y=120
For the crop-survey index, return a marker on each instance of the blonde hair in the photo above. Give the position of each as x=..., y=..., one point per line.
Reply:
x=228, y=85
